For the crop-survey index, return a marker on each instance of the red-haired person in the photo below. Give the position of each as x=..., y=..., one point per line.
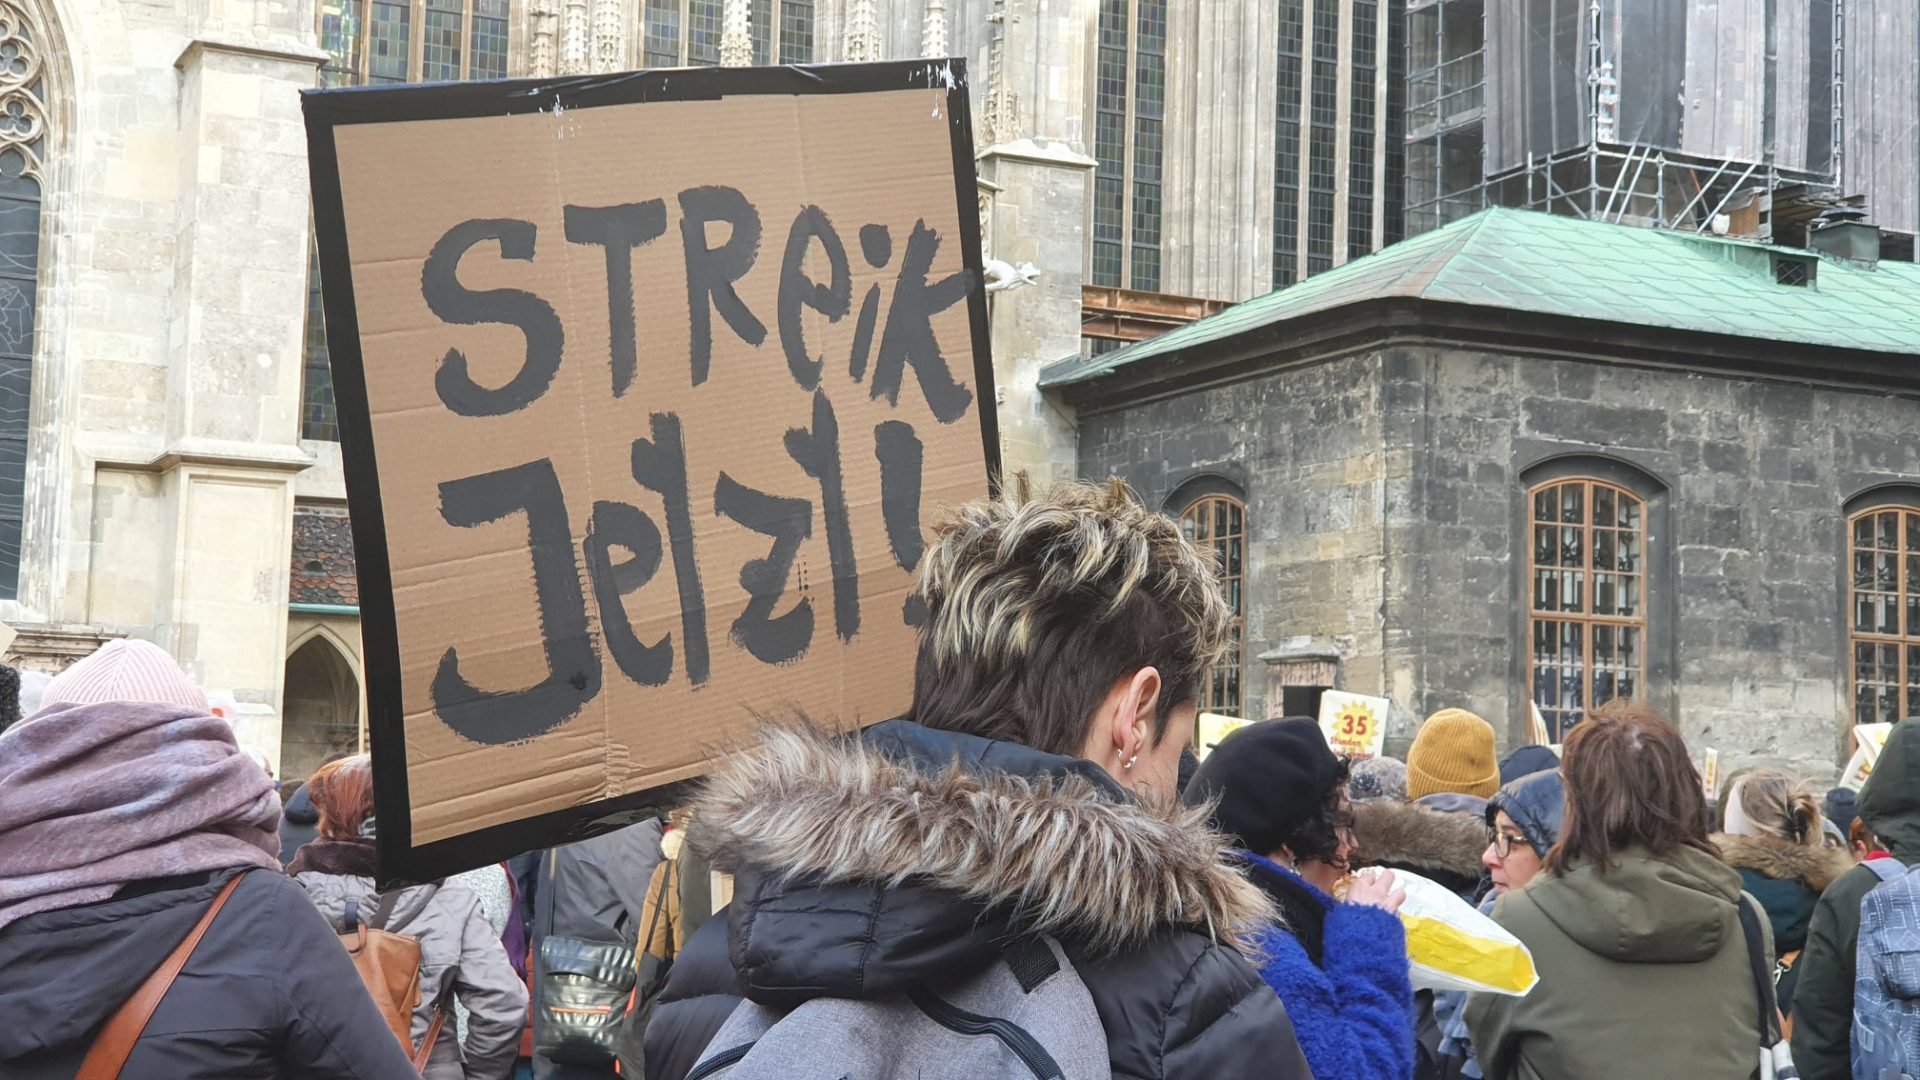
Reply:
x=1633, y=923
x=461, y=958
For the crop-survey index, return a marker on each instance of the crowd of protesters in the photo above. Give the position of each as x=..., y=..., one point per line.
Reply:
x=1024, y=874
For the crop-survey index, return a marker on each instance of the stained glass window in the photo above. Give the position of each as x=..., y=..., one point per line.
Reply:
x=1286, y=145
x=488, y=58
x=1219, y=522
x=440, y=41
x=1588, y=606
x=663, y=33
x=1883, y=548
x=796, y=32
x=22, y=142
x=391, y=41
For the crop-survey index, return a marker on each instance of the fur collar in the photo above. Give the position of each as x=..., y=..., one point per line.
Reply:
x=1420, y=839
x=1060, y=855
x=1784, y=860
x=356, y=858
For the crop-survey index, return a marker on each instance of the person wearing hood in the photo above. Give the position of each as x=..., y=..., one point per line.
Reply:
x=1774, y=839
x=1441, y=845
x=1526, y=760
x=1634, y=925
x=1523, y=824
x=1889, y=807
x=461, y=958
x=1030, y=791
x=127, y=810
x=1339, y=966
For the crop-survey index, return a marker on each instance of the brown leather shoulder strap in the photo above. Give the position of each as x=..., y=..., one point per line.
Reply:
x=115, y=1042
x=425, y=1053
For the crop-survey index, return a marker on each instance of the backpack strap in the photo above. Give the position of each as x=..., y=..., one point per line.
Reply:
x=1768, y=1015
x=1886, y=869
x=384, y=910
x=114, y=1044
x=1031, y=962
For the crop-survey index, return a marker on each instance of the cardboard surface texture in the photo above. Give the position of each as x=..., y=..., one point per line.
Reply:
x=648, y=384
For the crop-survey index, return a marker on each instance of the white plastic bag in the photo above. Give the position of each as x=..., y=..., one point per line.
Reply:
x=1453, y=947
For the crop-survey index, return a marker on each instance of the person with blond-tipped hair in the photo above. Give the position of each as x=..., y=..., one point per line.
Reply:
x=1028, y=789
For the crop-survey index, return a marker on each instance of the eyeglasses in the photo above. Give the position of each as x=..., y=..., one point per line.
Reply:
x=1503, y=842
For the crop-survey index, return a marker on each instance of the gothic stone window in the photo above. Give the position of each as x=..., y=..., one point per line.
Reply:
x=23, y=130
x=1587, y=617
x=1129, y=106
x=1219, y=522
x=391, y=41
x=1883, y=548
x=684, y=33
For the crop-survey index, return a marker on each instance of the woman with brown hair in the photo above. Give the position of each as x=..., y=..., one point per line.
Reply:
x=1634, y=925
x=1772, y=836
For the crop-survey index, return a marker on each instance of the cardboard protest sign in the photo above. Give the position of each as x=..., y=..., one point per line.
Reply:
x=1355, y=724
x=1213, y=728
x=646, y=383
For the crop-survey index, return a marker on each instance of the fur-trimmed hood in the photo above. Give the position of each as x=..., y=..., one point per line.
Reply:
x=998, y=831
x=1442, y=846
x=1784, y=860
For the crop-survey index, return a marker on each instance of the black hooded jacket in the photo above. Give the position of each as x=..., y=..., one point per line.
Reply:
x=269, y=994
x=910, y=848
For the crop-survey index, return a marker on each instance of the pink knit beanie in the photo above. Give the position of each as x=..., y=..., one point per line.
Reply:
x=125, y=670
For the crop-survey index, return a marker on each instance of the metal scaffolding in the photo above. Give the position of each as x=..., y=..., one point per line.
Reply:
x=1520, y=104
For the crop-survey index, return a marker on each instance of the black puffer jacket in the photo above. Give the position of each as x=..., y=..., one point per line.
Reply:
x=269, y=993
x=1128, y=890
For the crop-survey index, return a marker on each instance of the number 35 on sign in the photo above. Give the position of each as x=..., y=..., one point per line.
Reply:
x=1355, y=725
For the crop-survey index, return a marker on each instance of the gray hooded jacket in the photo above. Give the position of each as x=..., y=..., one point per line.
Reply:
x=460, y=956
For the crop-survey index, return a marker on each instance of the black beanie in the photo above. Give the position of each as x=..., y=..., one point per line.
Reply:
x=1271, y=778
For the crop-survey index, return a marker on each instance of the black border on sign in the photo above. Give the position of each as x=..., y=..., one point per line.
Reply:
x=401, y=861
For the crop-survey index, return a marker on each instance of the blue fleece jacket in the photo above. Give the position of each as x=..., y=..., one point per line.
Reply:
x=1353, y=1011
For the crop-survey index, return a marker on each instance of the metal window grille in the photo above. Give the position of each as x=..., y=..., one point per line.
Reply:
x=1883, y=549
x=1587, y=604
x=1219, y=523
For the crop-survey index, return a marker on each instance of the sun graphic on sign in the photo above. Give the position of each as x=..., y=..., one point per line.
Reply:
x=1356, y=719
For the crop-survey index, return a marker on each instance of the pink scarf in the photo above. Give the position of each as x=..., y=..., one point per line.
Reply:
x=93, y=796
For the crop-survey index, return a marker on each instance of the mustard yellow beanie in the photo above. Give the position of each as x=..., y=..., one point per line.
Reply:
x=1453, y=752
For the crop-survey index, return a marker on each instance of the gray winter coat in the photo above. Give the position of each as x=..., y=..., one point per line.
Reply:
x=460, y=956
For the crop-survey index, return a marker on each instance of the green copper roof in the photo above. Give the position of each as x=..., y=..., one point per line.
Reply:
x=1522, y=260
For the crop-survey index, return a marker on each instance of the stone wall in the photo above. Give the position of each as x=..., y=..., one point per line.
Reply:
x=1386, y=502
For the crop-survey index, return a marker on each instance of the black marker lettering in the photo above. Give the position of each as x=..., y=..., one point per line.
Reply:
x=573, y=664
x=876, y=243
x=661, y=466
x=772, y=639
x=455, y=303
x=619, y=525
x=900, y=453
x=711, y=272
x=797, y=290
x=621, y=230
x=863, y=334
x=908, y=338
x=818, y=452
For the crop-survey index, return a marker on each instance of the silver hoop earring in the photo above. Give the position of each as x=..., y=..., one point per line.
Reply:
x=1129, y=765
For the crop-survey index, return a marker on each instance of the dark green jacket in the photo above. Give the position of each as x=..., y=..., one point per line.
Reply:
x=1644, y=972
x=1823, y=1002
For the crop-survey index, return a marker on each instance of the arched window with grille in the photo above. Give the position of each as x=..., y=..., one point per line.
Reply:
x=1219, y=522
x=1588, y=603
x=1883, y=609
x=23, y=148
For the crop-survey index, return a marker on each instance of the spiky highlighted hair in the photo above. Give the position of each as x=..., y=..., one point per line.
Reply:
x=1037, y=605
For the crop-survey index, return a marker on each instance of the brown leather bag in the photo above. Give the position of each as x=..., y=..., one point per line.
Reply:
x=111, y=1048
x=389, y=965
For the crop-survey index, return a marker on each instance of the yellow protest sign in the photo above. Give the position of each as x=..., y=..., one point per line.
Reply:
x=1355, y=724
x=1213, y=728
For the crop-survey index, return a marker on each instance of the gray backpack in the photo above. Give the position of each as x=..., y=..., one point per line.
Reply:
x=1029, y=1018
